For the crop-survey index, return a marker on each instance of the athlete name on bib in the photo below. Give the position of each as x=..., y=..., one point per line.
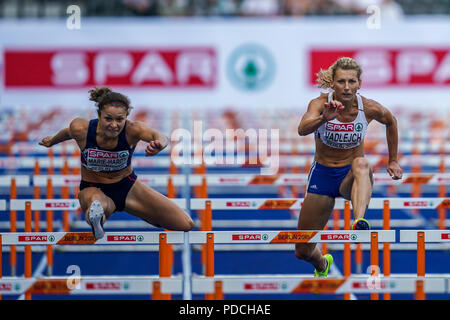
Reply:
x=343, y=135
x=101, y=160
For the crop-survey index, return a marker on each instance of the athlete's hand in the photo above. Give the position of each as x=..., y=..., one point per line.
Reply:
x=332, y=109
x=46, y=142
x=394, y=170
x=153, y=148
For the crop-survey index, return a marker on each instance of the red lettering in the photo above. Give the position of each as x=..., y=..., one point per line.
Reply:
x=57, y=205
x=345, y=127
x=262, y=286
x=5, y=287
x=238, y=204
x=390, y=66
x=335, y=237
x=32, y=238
x=121, y=238
x=103, y=286
x=246, y=237
x=415, y=204
x=78, y=67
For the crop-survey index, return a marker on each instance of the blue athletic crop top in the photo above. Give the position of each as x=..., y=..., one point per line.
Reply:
x=100, y=160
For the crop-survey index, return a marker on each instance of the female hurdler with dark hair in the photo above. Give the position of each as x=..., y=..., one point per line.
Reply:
x=108, y=182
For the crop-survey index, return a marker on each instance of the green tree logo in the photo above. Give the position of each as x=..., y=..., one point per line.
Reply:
x=251, y=67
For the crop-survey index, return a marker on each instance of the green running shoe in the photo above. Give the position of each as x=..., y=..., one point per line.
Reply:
x=324, y=274
x=361, y=224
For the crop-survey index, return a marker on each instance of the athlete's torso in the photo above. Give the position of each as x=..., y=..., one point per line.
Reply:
x=340, y=140
x=99, y=163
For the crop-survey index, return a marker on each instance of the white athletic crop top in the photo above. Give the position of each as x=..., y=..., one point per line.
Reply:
x=344, y=135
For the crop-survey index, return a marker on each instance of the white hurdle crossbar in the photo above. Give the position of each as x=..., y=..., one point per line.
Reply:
x=296, y=203
x=90, y=285
x=67, y=238
x=301, y=179
x=296, y=236
x=213, y=180
x=290, y=284
x=64, y=204
x=154, y=180
x=430, y=235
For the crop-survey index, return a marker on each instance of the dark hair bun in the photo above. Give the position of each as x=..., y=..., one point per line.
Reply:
x=98, y=93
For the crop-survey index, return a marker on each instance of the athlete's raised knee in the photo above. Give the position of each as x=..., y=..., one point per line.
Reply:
x=186, y=225
x=189, y=224
x=360, y=164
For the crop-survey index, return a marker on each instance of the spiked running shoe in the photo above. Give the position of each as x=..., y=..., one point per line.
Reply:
x=96, y=219
x=329, y=258
x=361, y=224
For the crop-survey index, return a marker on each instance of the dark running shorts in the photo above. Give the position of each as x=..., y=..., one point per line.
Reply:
x=116, y=191
x=325, y=180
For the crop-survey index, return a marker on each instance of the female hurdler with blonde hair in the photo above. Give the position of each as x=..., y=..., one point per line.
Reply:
x=339, y=121
x=108, y=182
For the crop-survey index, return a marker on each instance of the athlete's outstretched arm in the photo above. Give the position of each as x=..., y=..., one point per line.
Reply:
x=156, y=140
x=317, y=114
x=74, y=131
x=379, y=113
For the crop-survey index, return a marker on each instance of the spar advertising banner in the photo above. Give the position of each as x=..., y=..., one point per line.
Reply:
x=216, y=63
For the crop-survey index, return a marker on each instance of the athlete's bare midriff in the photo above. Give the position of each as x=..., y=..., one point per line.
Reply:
x=335, y=158
x=105, y=177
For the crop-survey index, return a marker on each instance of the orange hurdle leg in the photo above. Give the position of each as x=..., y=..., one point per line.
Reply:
x=164, y=262
x=386, y=246
x=49, y=228
x=27, y=247
x=420, y=290
x=209, y=261
x=347, y=248
x=13, y=228
x=374, y=259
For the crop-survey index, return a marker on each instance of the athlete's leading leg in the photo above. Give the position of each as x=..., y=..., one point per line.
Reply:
x=357, y=186
x=314, y=215
x=97, y=208
x=156, y=209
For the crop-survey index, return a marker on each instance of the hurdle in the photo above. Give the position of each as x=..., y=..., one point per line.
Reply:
x=28, y=162
x=50, y=205
x=385, y=204
x=90, y=285
x=421, y=237
x=276, y=237
x=219, y=285
x=296, y=203
x=295, y=179
x=13, y=182
x=157, y=286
